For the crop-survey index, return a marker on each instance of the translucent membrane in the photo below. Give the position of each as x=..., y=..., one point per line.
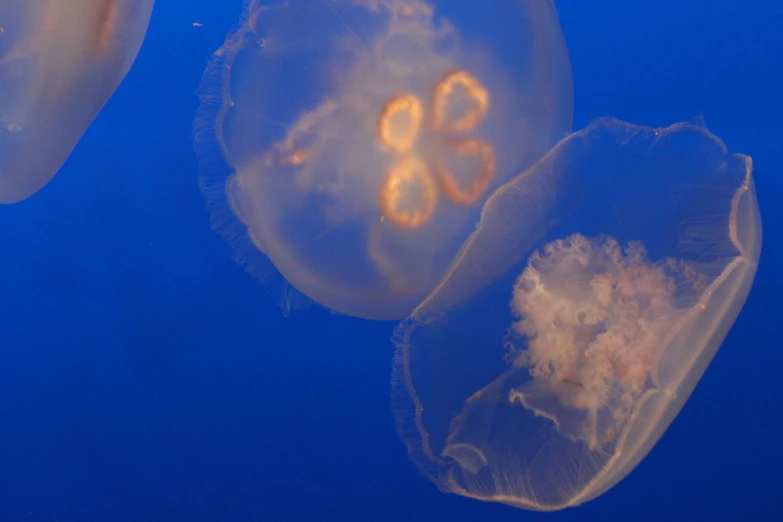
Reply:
x=60, y=60
x=579, y=316
x=362, y=136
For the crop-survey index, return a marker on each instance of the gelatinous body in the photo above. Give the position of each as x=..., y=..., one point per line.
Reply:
x=59, y=63
x=580, y=315
x=363, y=136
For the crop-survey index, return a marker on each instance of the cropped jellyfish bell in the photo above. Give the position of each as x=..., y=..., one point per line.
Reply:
x=579, y=316
x=60, y=60
x=361, y=137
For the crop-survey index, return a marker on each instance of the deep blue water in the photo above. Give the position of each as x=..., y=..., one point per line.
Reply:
x=145, y=377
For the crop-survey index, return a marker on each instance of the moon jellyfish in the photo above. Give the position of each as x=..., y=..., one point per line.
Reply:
x=60, y=60
x=356, y=140
x=580, y=315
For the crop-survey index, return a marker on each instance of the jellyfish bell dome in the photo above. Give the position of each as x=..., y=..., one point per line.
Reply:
x=579, y=316
x=60, y=61
x=356, y=140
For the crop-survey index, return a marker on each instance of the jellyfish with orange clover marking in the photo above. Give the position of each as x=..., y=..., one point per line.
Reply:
x=60, y=61
x=349, y=145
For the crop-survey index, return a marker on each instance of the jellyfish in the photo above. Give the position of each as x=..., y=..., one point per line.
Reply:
x=349, y=145
x=59, y=63
x=579, y=316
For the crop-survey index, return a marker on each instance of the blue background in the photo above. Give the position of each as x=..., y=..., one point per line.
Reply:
x=145, y=377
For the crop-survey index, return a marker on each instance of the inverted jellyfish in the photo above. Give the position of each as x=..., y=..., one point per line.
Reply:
x=59, y=63
x=356, y=140
x=580, y=315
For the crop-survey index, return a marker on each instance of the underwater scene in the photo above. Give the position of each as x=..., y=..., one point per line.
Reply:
x=381, y=260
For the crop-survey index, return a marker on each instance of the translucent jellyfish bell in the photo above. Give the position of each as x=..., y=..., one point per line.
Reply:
x=60, y=60
x=363, y=136
x=579, y=316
